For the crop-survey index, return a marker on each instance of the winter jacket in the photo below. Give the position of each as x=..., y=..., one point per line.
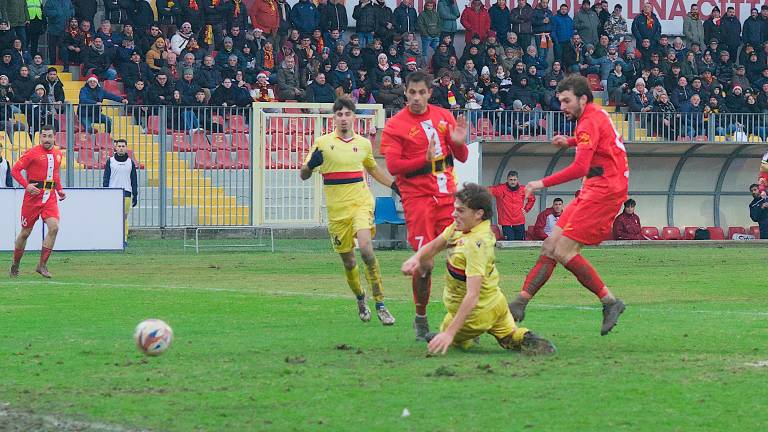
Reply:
x=233, y=96
x=265, y=15
x=156, y=91
x=89, y=96
x=539, y=26
x=627, y=227
x=757, y=213
x=429, y=23
x=84, y=9
x=562, y=27
x=99, y=62
x=522, y=19
x=22, y=88
x=365, y=17
x=208, y=77
x=334, y=17
x=15, y=11
x=131, y=72
x=188, y=89
x=441, y=96
x=615, y=81
x=635, y=101
x=510, y=203
x=587, y=23
x=143, y=16
x=641, y=31
x=542, y=220
x=391, y=97
x=476, y=22
x=305, y=17
x=317, y=93
x=680, y=95
x=693, y=30
x=58, y=13
x=500, y=20
x=55, y=88
x=169, y=12
x=194, y=17
x=384, y=16
x=119, y=11
x=712, y=30
x=730, y=31
x=449, y=13
x=753, y=31
x=405, y=19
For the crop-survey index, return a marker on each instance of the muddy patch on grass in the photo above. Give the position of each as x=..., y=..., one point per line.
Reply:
x=17, y=420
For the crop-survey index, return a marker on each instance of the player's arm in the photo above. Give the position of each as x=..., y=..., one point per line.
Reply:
x=458, y=139
x=585, y=150
x=134, y=185
x=530, y=200
x=393, y=154
x=443, y=340
x=379, y=174
x=313, y=160
x=424, y=255
x=107, y=174
x=20, y=166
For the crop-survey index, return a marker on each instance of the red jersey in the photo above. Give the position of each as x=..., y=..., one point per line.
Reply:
x=40, y=165
x=404, y=144
x=762, y=179
x=509, y=204
x=600, y=157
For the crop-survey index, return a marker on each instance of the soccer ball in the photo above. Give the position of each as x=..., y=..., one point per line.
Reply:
x=153, y=336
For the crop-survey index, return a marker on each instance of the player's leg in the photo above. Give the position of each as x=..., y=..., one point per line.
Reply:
x=568, y=253
x=537, y=277
x=343, y=244
x=126, y=209
x=18, y=250
x=511, y=337
x=49, y=241
x=373, y=275
x=417, y=212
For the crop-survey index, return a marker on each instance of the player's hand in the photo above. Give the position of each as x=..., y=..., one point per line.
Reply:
x=532, y=187
x=459, y=132
x=372, y=131
x=316, y=160
x=431, y=149
x=134, y=201
x=62, y=195
x=395, y=189
x=763, y=194
x=440, y=343
x=32, y=189
x=560, y=141
x=411, y=266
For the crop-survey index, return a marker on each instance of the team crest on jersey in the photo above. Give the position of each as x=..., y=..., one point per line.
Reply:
x=582, y=139
x=442, y=127
x=413, y=132
x=478, y=243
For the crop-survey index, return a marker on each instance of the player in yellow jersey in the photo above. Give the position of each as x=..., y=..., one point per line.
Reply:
x=343, y=157
x=472, y=296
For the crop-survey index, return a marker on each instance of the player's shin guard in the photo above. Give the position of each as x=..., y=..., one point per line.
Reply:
x=538, y=276
x=353, y=280
x=422, y=287
x=17, y=254
x=373, y=277
x=586, y=274
x=44, y=254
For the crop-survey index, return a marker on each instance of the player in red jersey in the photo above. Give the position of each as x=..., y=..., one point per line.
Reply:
x=420, y=144
x=602, y=159
x=762, y=179
x=42, y=163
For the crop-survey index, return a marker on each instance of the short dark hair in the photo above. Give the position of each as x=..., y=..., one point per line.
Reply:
x=120, y=140
x=578, y=84
x=49, y=127
x=557, y=200
x=754, y=185
x=630, y=203
x=476, y=197
x=418, y=76
x=512, y=173
x=344, y=102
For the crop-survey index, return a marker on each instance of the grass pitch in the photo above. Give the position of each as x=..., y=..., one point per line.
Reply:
x=272, y=342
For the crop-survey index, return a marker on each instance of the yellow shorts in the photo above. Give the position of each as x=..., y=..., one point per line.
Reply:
x=343, y=228
x=496, y=320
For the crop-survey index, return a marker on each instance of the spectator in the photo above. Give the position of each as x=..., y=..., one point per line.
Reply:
x=365, y=20
x=54, y=89
x=639, y=99
x=157, y=56
x=391, y=96
x=85, y=10
x=601, y=9
x=647, y=25
x=469, y=75
x=758, y=210
x=184, y=40
x=108, y=37
x=319, y=91
x=23, y=85
x=429, y=28
x=476, y=20
x=385, y=23
x=120, y=172
x=693, y=117
x=405, y=17
x=712, y=25
x=730, y=33
x=169, y=14
x=39, y=112
x=616, y=83
x=17, y=14
x=573, y=54
x=449, y=14
x=446, y=94
x=739, y=77
x=57, y=14
x=333, y=16
x=546, y=221
x=288, y=81
x=626, y=226
x=542, y=29
x=522, y=22
x=135, y=70
x=37, y=68
x=91, y=97
x=562, y=30
x=512, y=206
x=75, y=41
x=161, y=89
x=98, y=60
x=262, y=90
x=587, y=24
x=5, y=170
x=500, y=17
x=187, y=86
x=227, y=95
x=616, y=26
x=139, y=101
x=666, y=123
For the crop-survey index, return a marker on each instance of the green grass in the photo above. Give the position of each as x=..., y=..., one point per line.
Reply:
x=257, y=336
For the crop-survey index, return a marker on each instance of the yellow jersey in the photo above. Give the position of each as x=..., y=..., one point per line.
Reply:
x=471, y=254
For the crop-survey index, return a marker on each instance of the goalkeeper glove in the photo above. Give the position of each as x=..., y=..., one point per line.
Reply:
x=395, y=189
x=316, y=160
x=135, y=201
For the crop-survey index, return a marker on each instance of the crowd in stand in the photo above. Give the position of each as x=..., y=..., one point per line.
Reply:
x=220, y=53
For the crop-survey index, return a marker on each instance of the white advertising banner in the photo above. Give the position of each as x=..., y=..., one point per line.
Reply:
x=91, y=219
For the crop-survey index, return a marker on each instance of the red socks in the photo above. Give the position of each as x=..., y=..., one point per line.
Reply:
x=587, y=275
x=17, y=254
x=422, y=287
x=538, y=276
x=44, y=254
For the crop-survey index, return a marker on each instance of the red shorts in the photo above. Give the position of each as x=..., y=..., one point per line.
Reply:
x=426, y=217
x=33, y=209
x=589, y=222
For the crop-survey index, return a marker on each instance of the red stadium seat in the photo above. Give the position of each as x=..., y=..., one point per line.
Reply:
x=83, y=141
x=103, y=141
x=243, y=159
x=224, y=159
x=240, y=141
x=237, y=124
x=302, y=143
x=87, y=158
x=755, y=231
x=497, y=232
x=181, y=142
x=61, y=140
x=732, y=231
x=136, y=162
x=670, y=233
x=199, y=141
x=219, y=141
x=153, y=125
x=689, y=233
x=716, y=233
x=651, y=233
x=113, y=87
x=284, y=160
x=594, y=82
x=280, y=141
x=204, y=160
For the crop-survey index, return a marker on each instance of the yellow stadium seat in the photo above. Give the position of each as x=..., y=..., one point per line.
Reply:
x=36, y=139
x=21, y=141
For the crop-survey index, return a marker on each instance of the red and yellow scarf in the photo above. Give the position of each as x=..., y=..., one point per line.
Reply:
x=269, y=58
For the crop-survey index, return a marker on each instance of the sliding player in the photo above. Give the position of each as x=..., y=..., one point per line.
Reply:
x=472, y=296
x=602, y=160
x=420, y=144
x=42, y=185
x=343, y=157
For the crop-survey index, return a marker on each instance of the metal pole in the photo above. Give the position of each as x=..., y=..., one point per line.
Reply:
x=161, y=168
x=69, y=118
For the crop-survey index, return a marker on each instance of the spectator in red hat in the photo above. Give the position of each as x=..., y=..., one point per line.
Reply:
x=91, y=97
x=476, y=20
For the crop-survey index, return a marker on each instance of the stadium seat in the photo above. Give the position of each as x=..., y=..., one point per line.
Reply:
x=755, y=231
x=280, y=141
x=689, y=232
x=496, y=230
x=716, y=233
x=103, y=141
x=302, y=143
x=243, y=159
x=60, y=138
x=240, y=141
x=136, y=162
x=87, y=158
x=181, y=142
x=670, y=233
x=204, y=159
x=83, y=141
x=153, y=125
x=199, y=141
x=219, y=141
x=732, y=231
x=113, y=87
x=224, y=159
x=284, y=160
x=237, y=124
x=21, y=141
x=386, y=212
x=651, y=233
x=594, y=82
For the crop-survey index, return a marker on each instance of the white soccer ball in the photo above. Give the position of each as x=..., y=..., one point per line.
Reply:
x=153, y=336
